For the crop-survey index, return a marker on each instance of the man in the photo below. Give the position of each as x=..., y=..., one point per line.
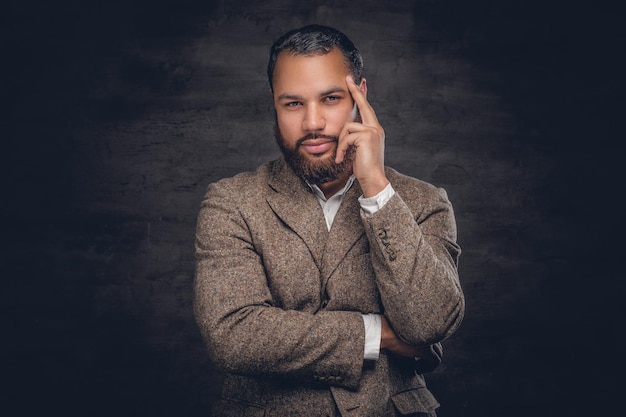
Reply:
x=325, y=280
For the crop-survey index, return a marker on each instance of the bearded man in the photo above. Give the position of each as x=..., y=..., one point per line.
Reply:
x=325, y=281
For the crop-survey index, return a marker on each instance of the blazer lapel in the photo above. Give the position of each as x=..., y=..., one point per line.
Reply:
x=346, y=230
x=296, y=205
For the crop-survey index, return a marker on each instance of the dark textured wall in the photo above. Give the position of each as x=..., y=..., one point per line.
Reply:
x=116, y=115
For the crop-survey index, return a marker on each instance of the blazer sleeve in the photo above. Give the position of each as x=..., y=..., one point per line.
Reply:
x=244, y=331
x=415, y=258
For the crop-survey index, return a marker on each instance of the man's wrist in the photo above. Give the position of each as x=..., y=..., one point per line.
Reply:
x=371, y=205
x=372, y=188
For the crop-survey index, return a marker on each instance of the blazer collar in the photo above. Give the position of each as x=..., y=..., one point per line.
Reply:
x=297, y=206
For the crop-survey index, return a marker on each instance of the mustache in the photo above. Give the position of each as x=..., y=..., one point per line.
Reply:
x=315, y=136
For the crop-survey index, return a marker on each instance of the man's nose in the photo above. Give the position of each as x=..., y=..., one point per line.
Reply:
x=313, y=119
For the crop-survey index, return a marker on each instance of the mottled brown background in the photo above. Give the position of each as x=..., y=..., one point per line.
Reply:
x=116, y=115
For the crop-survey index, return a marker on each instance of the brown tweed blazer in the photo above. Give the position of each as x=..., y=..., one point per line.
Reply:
x=278, y=298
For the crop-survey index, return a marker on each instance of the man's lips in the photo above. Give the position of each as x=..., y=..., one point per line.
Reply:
x=317, y=146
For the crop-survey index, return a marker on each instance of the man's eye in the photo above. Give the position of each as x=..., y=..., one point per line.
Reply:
x=332, y=99
x=293, y=104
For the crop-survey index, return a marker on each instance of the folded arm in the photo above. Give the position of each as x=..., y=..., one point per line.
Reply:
x=244, y=331
x=415, y=262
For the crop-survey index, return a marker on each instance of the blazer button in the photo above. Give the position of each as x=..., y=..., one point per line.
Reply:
x=382, y=234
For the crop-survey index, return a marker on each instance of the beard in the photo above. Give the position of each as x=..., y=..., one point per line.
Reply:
x=315, y=169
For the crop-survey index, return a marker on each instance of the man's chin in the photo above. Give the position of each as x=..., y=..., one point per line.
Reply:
x=320, y=169
x=318, y=158
x=315, y=168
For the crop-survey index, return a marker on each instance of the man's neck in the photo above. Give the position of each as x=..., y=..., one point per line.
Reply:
x=331, y=188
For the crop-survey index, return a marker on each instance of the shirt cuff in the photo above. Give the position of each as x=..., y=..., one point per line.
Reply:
x=373, y=329
x=371, y=205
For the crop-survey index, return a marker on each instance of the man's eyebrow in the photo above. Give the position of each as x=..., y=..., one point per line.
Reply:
x=287, y=96
x=333, y=91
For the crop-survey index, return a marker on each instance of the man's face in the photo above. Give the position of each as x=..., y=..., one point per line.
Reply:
x=313, y=104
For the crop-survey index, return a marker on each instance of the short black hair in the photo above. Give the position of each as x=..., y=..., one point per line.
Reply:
x=312, y=40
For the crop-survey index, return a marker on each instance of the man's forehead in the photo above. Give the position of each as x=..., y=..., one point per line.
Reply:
x=323, y=72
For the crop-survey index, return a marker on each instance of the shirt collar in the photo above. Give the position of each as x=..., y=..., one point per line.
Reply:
x=320, y=194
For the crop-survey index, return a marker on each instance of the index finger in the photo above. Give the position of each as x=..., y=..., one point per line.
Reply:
x=368, y=116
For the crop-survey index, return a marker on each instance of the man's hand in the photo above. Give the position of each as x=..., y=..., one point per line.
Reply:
x=390, y=341
x=368, y=139
x=427, y=357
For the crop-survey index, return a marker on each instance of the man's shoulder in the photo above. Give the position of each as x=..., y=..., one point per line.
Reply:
x=237, y=191
x=411, y=188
